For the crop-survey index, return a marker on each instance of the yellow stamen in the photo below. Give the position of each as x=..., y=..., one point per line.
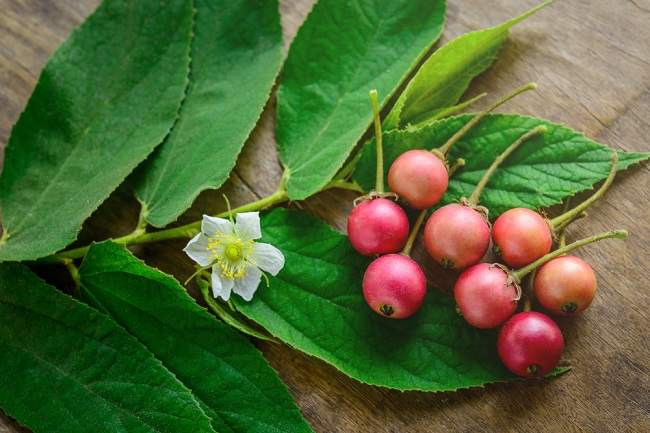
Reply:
x=231, y=254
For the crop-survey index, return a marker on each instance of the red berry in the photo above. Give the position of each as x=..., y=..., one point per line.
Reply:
x=419, y=177
x=456, y=236
x=394, y=286
x=565, y=285
x=530, y=344
x=521, y=236
x=484, y=296
x=378, y=226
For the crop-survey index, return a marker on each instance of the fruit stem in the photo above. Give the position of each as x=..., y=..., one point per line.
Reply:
x=561, y=221
x=379, y=145
x=521, y=273
x=528, y=302
x=446, y=112
x=457, y=165
x=476, y=194
x=445, y=148
x=414, y=232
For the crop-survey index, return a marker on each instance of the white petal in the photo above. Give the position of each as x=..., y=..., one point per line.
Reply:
x=268, y=258
x=211, y=225
x=197, y=249
x=247, y=286
x=221, y=287
x=248, y=226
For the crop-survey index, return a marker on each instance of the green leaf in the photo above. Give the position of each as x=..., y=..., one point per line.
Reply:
x=444, y=77
x=105, y=100
x=542, y=172
x=316, y=305
x=67, y=368
x=236, y=55
x=342, y=51
x=230, y=378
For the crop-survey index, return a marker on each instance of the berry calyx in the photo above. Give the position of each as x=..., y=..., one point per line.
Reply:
x=530, y=344
x=421, y=177
x=458, y=235
x=378, y=226
x=485, y=295
x=565, y=285
x=394, y=286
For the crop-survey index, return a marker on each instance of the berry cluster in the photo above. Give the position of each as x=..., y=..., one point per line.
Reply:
x=458, y=236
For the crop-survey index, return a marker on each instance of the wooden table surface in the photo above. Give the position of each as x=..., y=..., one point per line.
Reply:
x=591, y=59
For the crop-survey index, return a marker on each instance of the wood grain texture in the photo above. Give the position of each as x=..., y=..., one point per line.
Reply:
x=592, y=61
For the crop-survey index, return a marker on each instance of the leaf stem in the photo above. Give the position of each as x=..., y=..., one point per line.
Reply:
x=74, y=274
x=342, y=184
x=521, y=273
x=227, y=317
x=445, y=148
x=476, y=194
x=185, y=231
x=414, y=232
x=191, y=229
x=561, y=221
x=379, y=147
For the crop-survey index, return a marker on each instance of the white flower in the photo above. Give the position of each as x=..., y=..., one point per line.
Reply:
x=237, y=260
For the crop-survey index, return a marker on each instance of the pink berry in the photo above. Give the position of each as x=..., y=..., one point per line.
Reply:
x=394, y=286
x=378, y=226
x=565, y=285
x=521, y=236
x=456, y=236
x=419, y=177
x=530, y=344
x=484, y=296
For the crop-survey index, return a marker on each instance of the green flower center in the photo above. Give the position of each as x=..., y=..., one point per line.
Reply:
x=233, y=252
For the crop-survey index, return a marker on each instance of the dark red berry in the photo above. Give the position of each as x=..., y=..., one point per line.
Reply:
x=530, y=344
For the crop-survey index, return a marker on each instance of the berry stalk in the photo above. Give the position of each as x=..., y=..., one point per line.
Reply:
x=445, y=148
x=561, y=221
x=414, y=232
x=379, y=180
x=457, y=165
x=519, y=274
x=476, y=194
